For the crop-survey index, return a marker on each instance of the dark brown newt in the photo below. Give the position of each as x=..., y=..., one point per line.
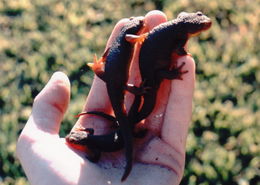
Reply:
x=161, y=43
x=113, y=69
x=84, y=137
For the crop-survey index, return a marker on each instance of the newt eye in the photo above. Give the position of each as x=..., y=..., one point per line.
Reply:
x=141, y=22
x=199, y=13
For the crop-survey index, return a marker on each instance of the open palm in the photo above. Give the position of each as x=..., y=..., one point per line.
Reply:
x=159, y=157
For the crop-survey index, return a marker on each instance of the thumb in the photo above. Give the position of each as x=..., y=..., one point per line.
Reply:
x=49, y=107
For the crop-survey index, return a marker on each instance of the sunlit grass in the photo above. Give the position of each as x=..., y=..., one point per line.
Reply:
x=40, y=37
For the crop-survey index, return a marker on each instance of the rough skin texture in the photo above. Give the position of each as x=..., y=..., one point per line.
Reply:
x=117, y=62
x=163, y=42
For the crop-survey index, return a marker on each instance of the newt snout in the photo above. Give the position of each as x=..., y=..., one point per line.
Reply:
x=194, y=23
x=76, y=137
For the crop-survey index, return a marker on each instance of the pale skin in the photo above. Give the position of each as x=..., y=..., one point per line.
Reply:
x=159, y=157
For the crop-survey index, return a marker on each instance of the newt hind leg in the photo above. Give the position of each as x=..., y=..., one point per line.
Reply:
x=94, y=155
x=136, y=38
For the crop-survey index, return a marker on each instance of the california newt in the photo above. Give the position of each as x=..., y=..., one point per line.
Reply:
x=113, y=68
x=160, y=44
x=95, y=143
x=99, y=143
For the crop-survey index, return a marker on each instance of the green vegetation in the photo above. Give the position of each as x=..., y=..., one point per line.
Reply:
x=39, y=37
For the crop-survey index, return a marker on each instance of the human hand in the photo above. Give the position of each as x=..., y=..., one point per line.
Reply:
x=47, y=159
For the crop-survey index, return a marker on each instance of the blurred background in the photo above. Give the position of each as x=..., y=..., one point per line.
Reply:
x=39, y=37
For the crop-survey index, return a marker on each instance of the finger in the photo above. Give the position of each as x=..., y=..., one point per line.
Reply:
x=153, y=122
x=179, y=108
x=49, y=107
x=98, y=99
x=154, y=18
x=169, y=150
x=151, y=19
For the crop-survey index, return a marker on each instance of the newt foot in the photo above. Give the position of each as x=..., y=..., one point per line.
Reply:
x=179, y=72
x=136, y=38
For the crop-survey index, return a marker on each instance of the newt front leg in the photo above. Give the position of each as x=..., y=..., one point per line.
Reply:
x=98, y=65
x=173, y=74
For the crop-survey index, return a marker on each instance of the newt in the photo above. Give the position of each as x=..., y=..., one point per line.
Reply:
x=95, y=143
x=160, y=44
x=99, y=143
x=113, y=69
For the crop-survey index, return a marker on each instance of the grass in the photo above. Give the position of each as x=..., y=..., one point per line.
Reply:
x=38, y=38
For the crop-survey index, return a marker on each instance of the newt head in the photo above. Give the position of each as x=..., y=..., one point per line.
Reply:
x=134, y=25
x=73, y=142
x=79, y=137
x=194, y=23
